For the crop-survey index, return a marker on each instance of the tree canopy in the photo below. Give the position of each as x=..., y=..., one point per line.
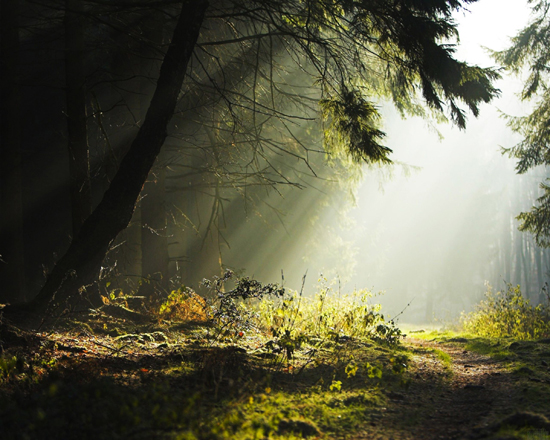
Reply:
x=530, y=51
x=262, y=68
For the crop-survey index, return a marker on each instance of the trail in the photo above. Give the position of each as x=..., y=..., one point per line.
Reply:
x=477, y=391
x=452, y=400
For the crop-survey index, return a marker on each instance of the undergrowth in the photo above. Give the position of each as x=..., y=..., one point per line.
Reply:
x=286, y=317
x=258, y=361
x=508, y=314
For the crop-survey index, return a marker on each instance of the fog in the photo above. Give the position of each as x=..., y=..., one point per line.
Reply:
x=434, y=229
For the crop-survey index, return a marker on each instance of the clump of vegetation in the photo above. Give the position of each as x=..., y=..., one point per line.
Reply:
x=287, y=316
x=508, y=313
x=329, y=315
x=231, y=310
x=183, y=304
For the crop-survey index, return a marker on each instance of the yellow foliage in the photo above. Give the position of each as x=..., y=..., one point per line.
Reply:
x=184, y=305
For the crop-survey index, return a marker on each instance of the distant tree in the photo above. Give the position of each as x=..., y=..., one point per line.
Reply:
x=357, y=51
x=76, y=103
x=11, y=197
x=530, y=50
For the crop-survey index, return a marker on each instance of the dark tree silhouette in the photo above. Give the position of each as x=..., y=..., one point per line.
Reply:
x=11, y=204
x=531, y=49
x=82, y=261
x=357, y=51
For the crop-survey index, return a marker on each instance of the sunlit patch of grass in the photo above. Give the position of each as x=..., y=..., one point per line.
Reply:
x=318, y=411
x=522, y=434
x=445, y=358
x=431, y=334
x=496, y=348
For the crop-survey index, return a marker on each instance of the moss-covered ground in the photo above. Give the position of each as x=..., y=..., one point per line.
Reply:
x=109, y=378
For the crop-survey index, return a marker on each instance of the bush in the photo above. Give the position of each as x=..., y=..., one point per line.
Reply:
x=508, y=313
x=328, y=315
x=290, y=318
x=185, y=305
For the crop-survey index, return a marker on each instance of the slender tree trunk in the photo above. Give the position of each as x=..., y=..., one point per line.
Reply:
x=507, y=251
x=154, y=240
x=540, y=278
x=545, y=264
x=82, y=262
x=79, y=156
x=517, y=240
x=525, y=257
x=12, y=288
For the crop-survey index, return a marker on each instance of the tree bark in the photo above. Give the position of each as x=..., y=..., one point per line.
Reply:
x=12, y=287
x=80, y=265
x=79, y=155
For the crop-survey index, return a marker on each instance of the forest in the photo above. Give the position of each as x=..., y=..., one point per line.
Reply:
x=249, y=219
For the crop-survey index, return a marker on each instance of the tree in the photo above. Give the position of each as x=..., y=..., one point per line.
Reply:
x=357, y=52
x=82, y=261
x=11, y=203
x=79, y=155
x=259, y=122
x=530, y=49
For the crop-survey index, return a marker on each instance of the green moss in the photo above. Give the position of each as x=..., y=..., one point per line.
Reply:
x=444, y=357
x=497, y=348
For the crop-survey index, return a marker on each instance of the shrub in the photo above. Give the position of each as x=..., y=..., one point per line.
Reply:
x=289, y=317
x=184, y=305
x=508, y=313
x=328, y=315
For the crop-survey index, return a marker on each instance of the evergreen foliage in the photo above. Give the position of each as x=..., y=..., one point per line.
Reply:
x=238, y=82
x=530, y=50
x=363, y=51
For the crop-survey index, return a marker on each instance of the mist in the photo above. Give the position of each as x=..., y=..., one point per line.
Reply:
x=244, y=181
x=430, y=232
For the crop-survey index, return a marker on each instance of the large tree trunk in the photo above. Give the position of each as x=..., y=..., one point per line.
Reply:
x=81, y=263
x=12, y=288
x=79, y=156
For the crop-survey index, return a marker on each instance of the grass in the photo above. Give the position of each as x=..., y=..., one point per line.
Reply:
x=249, y=365
x=192, y=391
x=253, y=364
x=443, y=357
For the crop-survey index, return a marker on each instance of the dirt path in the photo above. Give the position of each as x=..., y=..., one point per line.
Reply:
x=455, y=399
x=476, y=391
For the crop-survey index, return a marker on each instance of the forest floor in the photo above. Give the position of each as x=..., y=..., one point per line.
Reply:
x=470, y=388
x=102, y=377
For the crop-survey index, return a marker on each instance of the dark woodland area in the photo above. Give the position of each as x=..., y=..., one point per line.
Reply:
x=155, y=152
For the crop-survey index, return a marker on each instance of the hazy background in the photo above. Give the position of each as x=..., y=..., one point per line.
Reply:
x=438, y=225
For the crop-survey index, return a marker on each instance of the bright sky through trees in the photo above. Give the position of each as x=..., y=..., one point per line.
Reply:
x=435, y=231
x=437, y=226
